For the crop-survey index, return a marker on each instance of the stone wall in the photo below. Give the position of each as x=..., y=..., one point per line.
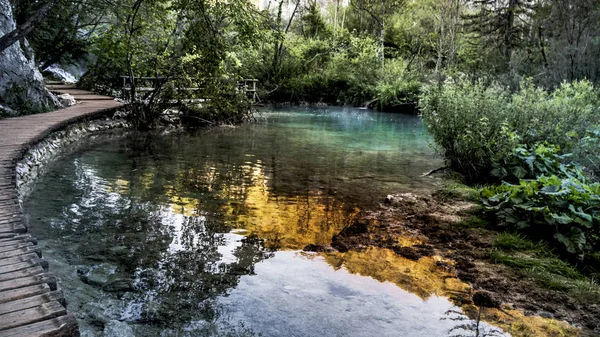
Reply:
x=22, y=87
x=36, y=159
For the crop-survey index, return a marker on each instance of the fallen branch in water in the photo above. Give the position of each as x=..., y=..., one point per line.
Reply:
x=427, y=174
x=368, y=104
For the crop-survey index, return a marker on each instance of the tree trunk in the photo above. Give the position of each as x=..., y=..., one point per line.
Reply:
x=509, y=31
x=382, y=41
x=23, y=30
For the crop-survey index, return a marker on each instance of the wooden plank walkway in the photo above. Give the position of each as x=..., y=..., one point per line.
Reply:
x=30, y=304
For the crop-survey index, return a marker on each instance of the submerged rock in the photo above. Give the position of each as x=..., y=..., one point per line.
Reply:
x=117, y=329
x=117, y=284
x=355, y=229
x=402, y=198
x=95, y=313
x=351, y=236
x=99, y=275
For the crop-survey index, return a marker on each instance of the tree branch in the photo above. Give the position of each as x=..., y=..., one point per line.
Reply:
x=27, y=27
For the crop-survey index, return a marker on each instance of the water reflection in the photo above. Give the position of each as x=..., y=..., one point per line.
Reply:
x=166, y=232
x=425, y=277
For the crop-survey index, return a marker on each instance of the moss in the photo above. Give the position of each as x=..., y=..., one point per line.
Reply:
x=473, y=222
x=17, y=98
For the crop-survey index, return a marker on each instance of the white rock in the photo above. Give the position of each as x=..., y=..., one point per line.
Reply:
x=66, y=100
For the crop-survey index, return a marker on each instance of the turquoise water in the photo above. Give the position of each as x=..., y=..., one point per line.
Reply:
x=200, y=233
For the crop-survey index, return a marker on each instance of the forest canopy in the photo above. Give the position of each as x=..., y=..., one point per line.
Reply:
x=355, y=52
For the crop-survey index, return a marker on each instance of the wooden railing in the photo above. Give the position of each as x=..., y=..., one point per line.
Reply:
x=149, y=84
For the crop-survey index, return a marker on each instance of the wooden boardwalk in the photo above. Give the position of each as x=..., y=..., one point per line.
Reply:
x=30, y=304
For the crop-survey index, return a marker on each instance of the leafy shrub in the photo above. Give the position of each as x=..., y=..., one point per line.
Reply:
x=475, y=125
x=344, y=71
x=561, y=117
x=558, y=206
x=586, y=153
x=530, y=163
x=397, y=86
x=467, y=121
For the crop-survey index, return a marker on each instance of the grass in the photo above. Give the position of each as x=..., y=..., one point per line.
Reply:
x=457, y=190
x=557, y=282
x=510, y=242
x=473, y=222
x=549, y=265
x=537, y=262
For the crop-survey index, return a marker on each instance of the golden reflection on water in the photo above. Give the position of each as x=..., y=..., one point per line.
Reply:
x=519, y=325
x=423, y=277
x=287, y=222
x=248, y=203
x=292, y=222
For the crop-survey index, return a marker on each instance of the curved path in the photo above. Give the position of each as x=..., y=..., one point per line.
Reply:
x=30, y=304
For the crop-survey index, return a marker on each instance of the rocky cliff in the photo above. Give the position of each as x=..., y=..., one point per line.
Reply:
x=21, y=84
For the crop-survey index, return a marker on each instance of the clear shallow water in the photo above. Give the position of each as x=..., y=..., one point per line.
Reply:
x=194, y=234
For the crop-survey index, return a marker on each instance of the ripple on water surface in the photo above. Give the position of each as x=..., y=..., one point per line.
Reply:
x=194, y=234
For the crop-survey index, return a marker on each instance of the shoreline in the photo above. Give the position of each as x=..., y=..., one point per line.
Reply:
x=419, y=227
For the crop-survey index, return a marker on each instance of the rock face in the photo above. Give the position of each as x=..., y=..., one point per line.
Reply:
x=21, y=84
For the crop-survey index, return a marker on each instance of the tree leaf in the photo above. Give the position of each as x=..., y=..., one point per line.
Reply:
x=565, y=241
x=561, y=219
x=518, y=171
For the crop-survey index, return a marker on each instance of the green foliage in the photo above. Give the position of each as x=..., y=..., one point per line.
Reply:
x=397, y=86
x=537, y=262
x=224, y=106
x=530, y=163
x=560, y=117
x=512, y=242
x=455, y=190
x=476, y=125
x=316, y=70
x=586, y=153
x=191, y=46
x=467, y=121
x=558, y=206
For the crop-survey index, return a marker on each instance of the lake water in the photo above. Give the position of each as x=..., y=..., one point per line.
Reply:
x=200, y=233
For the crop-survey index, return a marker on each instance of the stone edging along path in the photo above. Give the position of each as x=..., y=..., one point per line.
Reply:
x=30, y=304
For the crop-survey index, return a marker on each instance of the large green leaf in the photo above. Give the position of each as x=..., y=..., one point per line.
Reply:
x=562, y=219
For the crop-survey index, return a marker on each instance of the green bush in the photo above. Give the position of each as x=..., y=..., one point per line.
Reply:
x=345, y=71
x=586, y=153
x=475, y=124
x=559, y=206
x=397, y=86
x=531, y=163
x=561, y=117
x=468, y=122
